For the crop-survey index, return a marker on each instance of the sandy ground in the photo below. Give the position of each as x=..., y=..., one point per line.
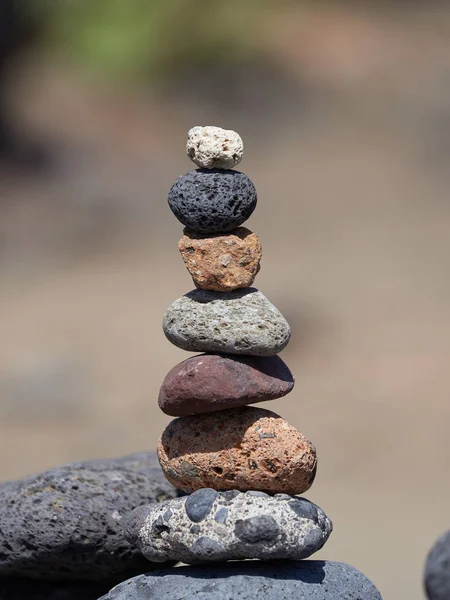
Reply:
x=354, y=218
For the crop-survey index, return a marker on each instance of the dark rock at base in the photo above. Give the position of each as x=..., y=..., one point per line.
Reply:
x=437, y=569
x=212, y=382
x=304, y=580
x=212, y=200
x=26, y=589
x=66, y=523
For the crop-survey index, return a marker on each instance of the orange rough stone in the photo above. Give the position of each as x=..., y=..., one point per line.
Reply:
x=237, y=449
x=222, y=262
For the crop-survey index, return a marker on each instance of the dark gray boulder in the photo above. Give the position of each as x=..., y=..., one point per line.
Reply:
x=274, y=580
x=66, y=523
x=437, y=569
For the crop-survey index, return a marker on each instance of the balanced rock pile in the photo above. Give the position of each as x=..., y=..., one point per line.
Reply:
x=241, y=467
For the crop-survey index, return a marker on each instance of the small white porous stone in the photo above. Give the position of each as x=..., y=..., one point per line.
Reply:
x=214, y=148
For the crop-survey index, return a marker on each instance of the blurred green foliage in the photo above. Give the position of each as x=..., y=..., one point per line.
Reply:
x=142, y=39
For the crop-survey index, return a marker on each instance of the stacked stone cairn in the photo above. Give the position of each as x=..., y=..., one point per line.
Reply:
x=242, y=468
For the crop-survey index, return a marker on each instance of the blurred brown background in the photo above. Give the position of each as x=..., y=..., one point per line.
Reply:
x=344, y=109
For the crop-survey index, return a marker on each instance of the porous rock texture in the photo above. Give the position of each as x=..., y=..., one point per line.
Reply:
x=437, y=569
x=214, y=148
x=66, y=523
x=212, y=201
x=238, y=449
x=211, y=382
x=250, y=580
x=217, y=526
x=221, y=263
x=240, y=322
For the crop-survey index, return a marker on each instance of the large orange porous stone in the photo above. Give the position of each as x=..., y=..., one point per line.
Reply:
x=222, y=262
x=237, y=449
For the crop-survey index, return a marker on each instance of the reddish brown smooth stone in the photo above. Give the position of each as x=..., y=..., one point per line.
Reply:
x=242, y=449
x=212, y=382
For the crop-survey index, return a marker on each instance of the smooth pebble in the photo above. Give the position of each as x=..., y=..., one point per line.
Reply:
x=211, y=382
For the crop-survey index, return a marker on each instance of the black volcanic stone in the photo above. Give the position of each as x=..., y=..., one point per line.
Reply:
x=437, y=569
x=67, y=523
x=264, y=580
x=212, y=201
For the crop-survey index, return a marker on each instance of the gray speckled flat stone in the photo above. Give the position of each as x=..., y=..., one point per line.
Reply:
x=66, y=523
x=304, y=580
x=218, y=526
x=239, y=322
x=437, y=569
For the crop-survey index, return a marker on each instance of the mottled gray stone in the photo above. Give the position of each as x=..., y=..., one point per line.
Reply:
x=66, y=523
x=246, y=526
x=304, y=580
x=239, y=322
x=212, y=201
x=437, y=569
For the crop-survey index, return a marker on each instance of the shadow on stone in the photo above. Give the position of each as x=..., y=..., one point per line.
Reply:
x=247, y=580
x=206, y=296
x=28, y=589
x=311, y=572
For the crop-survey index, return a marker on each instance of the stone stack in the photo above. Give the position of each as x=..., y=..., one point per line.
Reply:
x=241, y=467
